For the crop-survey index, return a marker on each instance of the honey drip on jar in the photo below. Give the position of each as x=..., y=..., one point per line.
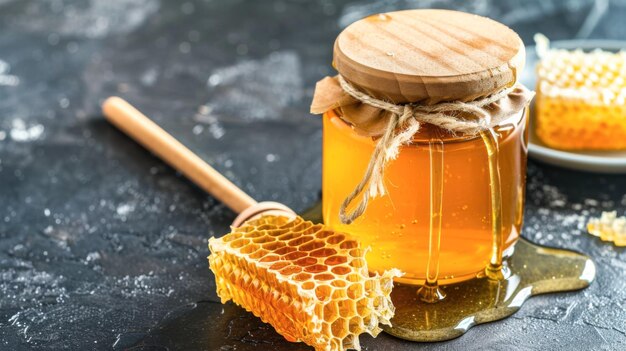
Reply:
x=495, y=270
x=430, y=291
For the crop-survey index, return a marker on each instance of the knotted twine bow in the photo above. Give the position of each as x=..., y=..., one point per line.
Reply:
x=407, y=119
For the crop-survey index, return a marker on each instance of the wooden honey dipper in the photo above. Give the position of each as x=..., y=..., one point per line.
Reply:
x=147, y=133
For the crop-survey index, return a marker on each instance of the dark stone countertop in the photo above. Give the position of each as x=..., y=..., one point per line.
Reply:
x=100, y=241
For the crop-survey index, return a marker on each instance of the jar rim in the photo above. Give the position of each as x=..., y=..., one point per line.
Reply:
x=446, y=137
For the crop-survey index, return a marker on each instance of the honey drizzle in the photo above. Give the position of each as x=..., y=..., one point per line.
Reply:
x=430, y=291
x=495, y=269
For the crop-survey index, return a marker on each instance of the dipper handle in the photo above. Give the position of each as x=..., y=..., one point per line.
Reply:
x=147, y=133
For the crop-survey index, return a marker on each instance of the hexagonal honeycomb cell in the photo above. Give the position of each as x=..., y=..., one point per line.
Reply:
x=581, y=99
x=309, y=282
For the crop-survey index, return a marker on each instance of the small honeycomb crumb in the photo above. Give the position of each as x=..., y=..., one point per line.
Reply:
x=609, y=227
x=581, y=99
x=310, y=283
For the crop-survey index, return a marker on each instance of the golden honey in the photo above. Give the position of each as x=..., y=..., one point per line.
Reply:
x=436, y=222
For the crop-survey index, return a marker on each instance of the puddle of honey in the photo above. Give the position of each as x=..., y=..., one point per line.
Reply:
x=533, y=270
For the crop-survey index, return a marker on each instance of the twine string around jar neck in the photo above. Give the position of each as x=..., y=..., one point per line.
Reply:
x=405, y=121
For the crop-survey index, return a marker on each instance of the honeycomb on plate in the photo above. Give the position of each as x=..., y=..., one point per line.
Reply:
x=581, y=98
x=609, y=227
x=309, y=282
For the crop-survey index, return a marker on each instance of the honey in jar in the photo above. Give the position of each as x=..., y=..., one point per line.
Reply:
x=453, y=201
x=397, y=226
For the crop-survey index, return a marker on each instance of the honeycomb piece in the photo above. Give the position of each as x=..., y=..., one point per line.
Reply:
x=581, y=99
x=310, y=283
x=609, y=227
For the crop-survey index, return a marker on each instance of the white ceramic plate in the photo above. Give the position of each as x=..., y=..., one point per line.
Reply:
x=591, y=161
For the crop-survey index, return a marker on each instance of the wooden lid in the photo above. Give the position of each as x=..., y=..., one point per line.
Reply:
x=429, y=56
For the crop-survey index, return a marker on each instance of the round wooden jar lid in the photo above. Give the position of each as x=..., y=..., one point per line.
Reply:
x=429, y=56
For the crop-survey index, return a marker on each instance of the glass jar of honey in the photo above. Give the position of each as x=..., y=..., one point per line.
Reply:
x=397, y=227
x=453, y=198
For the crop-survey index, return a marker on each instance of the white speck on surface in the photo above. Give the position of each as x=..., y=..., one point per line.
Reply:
x=7, y=79
x=20, y=132
x=197, y=129
x=149, y=77
x=46, y=212
x=216, y=131
x=93, y=256
x=215, y=128
x=214, y=80
x=64, y=103
x=205, y=109
x=271, y=157
x=557, y=203
x=125, y=209
x=3, y=135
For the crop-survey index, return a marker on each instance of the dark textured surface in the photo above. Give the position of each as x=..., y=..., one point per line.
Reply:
x=98, y=238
